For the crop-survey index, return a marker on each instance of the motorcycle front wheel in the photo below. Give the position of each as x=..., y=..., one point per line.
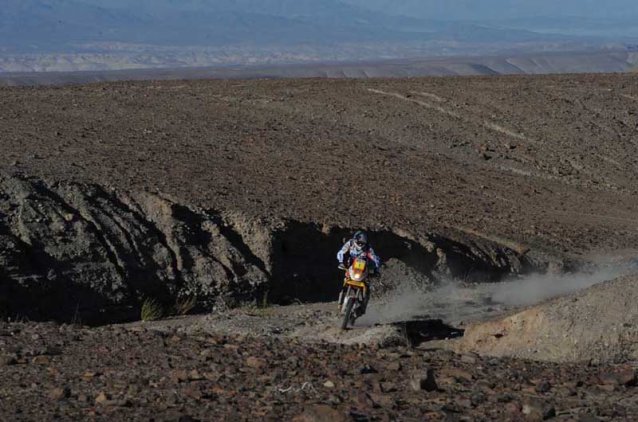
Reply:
x=348, y=312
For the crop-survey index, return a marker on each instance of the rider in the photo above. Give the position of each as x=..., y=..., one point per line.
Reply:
x=354, y=248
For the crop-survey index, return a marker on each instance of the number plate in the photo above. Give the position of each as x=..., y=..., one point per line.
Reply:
x=359, y=265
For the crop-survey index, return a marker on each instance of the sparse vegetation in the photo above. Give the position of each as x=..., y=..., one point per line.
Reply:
x=184, y=305
x=261, y=307
x=264, y=300
x=152, y=310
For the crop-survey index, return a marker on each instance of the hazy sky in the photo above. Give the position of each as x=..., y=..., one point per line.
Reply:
x=432, y=9
x=70, y=25
x=504, y=9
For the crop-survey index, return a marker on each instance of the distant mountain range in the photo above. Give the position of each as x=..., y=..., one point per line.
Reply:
x=106, y=34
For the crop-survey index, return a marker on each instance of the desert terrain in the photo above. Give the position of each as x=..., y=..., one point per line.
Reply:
x=493, y=201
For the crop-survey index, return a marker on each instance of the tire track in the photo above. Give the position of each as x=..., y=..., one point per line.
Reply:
x=429, y=95
x=485, y=123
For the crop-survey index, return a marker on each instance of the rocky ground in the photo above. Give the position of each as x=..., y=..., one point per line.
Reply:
x=239, y=193
x=67, y=372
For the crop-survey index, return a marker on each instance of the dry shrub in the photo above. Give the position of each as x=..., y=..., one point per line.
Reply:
x=184, y=305
x=152, y=310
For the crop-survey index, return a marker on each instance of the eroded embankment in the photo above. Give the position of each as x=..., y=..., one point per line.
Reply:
x=598, y=324
x=76, y=251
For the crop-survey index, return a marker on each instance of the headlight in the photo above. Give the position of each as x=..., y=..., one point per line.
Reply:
x=357, y=276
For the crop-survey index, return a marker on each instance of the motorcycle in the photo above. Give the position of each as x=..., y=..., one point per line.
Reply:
x=355, y=290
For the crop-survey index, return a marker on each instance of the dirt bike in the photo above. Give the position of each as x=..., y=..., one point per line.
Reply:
x=355, y=290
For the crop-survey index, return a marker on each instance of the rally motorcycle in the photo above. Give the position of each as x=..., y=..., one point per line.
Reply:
x=355, y=290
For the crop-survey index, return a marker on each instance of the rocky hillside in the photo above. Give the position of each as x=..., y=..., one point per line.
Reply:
x=70, y=250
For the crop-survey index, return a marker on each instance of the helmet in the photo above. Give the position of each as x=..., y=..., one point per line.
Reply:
x=360, y=239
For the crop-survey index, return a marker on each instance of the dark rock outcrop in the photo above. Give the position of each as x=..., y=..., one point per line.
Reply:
x=70, y=249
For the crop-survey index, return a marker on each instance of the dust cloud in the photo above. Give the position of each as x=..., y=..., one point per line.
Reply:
x=536, y=288
x=457, y=303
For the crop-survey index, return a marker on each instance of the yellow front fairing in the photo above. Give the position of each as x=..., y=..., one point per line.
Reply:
x=353, y=283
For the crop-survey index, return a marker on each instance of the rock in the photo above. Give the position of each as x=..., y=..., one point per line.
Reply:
x=504, y=398
x=103, y=398
x=206, y=355
x=192, y=392
x=367, y=369
x=320, y=413
x=363, y=401
x=52, y=351
x=513, y=408
x=178, y=375
x=549, y=412
x=388, y=387
x=543, y=386
x=464, y=402
x=8, y=359
x=382, y=400
x=393, y=366
x=424, y=380
x=89, y=375
x=255, y=362
x=538, y=411
x=59, y=393
x=469, y=358
x=621, y=375
x=41, y=360
x=457, y=374
x=610, y=388
x=478, y=398
x=329, y=384
x=55, y=219
x=194, y=375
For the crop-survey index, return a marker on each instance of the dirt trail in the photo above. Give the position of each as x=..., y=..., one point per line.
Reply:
x=411, y=315
x=463, y=117
x=430, y=95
